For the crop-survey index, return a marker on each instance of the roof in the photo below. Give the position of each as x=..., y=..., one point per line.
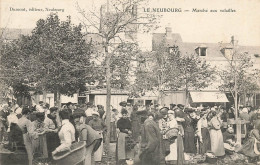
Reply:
x=213, y=49
x=173, y=39
x=12, y=34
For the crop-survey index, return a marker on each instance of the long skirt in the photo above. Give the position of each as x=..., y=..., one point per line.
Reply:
x=217, y=144
x=189, y=142
x=205, y=145
x=53, y=142
x=173, y=152
x=89, y=158
x=40, y=146
x=28, y=146
x=113, y=132
x=99, y=152
x=176, y=155
x=121, y=152
x=136, y=129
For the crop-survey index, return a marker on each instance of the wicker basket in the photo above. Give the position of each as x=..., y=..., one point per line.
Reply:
x=74, y=156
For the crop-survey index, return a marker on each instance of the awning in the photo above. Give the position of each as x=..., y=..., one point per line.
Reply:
x=208, y=97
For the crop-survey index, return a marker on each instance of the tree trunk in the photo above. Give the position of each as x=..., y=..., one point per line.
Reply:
x=57, y=103
x=44, y=95
x=186, y=92
x=55, y=99
x=58, y=100
x=108, y=100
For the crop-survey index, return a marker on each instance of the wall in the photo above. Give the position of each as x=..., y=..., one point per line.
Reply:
x=115, y=100
x=174, y=97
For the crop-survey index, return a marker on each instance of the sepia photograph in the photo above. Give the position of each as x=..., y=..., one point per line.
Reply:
x=129, y=82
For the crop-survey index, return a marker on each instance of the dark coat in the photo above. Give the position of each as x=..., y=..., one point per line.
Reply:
x=150, y=143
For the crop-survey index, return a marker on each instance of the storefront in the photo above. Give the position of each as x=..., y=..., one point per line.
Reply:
x=208, y=98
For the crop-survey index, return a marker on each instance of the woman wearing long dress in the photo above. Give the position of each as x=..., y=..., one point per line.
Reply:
x=51, y=128
x=203, y=133
x=135, y=121
x=250, y=148
x=26, y=126
x=176, y=154
x=99, y=126
x=39, y=137
x=189, y=133
x=216, y=137
x=114, y=118
x=124, y=126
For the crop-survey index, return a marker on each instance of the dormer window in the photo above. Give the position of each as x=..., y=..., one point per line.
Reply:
x=257, y=55
x=201, y=50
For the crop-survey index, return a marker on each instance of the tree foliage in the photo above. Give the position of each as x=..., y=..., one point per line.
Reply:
x=118, y=19
x=239, y=75
x=165, y=69
x=55, y=57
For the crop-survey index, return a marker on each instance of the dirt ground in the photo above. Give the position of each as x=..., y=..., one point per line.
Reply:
x=7, y=158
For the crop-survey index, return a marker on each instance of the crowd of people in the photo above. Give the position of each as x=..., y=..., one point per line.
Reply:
x=208, y=131
x=44, y=132
x=146, y=135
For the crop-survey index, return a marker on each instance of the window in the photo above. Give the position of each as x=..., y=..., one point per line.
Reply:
x=201, y=50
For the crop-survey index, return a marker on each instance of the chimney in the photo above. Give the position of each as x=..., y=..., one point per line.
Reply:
x=168, y=32
x=134, y=10
x=233, y=40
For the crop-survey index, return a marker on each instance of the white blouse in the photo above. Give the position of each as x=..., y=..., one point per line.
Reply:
x=66, y=135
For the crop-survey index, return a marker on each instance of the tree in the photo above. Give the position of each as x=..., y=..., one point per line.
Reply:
x=119, y=18
x=194, y=73
x=157, y=70
x=55, y=57
x=238, y=76
x=171, y=70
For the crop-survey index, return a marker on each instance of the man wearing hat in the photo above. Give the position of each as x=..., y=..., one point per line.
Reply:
x=150, y=153
x=172, y=106
x=98, y=125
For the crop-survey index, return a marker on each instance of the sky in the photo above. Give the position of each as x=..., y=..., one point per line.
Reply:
x=200, y=27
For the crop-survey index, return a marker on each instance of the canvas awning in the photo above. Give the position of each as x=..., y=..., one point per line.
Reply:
x=207, y=97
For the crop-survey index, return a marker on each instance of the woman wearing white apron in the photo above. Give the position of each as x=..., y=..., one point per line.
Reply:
x=176, y=147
